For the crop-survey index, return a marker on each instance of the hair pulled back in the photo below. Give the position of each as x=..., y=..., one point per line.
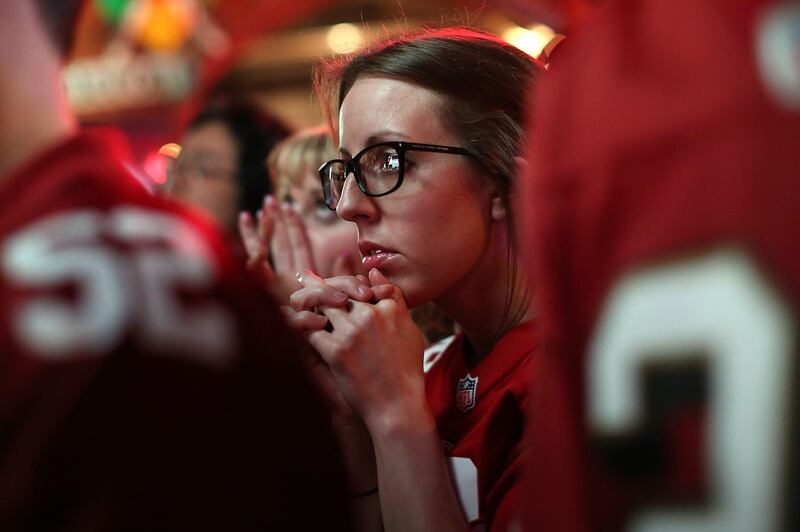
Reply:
x=483, y=81
x=484, y=84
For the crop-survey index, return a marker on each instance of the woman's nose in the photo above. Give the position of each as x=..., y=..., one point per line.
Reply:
x=354, y=204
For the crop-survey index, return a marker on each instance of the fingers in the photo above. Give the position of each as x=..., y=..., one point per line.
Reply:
x=249, y=234
x=299, y=244
x=266, y=225
x=323, y=343
x=304, y=321
x=290, y=245
x=256, y=234
x=279, y=243
x=383, y=289
x=331, y=292
x=376, y=277
x=311, y=297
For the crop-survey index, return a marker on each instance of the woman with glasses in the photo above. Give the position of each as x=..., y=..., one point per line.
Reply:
x=429, y=129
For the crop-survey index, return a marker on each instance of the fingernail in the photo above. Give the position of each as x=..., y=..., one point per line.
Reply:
x=287, y=206
x=299, y=276
x=363, y=290
x=340, y=297
x=259, y=213
x=243, y=215
x=269, y=201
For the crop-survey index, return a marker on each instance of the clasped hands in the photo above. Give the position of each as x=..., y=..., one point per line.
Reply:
x=369, y=361
x=362, y=330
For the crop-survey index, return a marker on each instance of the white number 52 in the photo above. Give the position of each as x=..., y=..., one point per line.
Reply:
x=95, y=277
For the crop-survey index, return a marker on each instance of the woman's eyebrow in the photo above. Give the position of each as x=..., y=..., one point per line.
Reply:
x=377, y=138
x=384, y=136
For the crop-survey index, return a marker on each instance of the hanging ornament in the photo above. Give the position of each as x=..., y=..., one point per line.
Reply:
x=162, y=25
x=112, y=11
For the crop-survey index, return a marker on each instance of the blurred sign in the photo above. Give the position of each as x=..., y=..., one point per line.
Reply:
x=113, y=81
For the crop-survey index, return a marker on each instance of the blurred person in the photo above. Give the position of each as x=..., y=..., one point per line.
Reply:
x=662, y=214
x=140, y=371
x=295, y=230
x=429, y=129
x=221, y=169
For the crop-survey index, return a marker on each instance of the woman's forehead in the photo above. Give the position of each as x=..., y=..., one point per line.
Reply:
x=380, y=109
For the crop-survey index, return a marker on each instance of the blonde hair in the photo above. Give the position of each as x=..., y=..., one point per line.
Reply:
x=291, y=158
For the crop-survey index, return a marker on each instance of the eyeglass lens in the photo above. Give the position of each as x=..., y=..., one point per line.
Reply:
x=377, y=172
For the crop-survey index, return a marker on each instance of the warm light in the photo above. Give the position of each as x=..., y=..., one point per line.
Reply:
x=170, y=150
x=163, y=25
x=531, y=40
x=344, y=38
x=155, y=166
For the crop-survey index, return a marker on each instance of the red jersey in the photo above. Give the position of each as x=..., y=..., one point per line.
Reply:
x=145, y=384
x=480, y=413
x=663, y=212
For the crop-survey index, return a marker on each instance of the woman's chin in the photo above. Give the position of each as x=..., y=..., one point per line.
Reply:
x=414, y=295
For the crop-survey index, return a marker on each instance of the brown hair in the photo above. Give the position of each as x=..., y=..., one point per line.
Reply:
x=484, y=83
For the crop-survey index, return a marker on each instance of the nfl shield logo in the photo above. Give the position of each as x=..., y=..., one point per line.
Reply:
x=465, y=393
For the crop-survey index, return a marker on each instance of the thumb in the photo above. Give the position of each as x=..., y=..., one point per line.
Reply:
x=376, y=277
x=382, y=288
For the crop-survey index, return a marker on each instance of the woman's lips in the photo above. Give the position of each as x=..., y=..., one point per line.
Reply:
x=377, y=260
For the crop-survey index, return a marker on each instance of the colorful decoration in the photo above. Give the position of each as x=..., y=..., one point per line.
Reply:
x=112, y=11
x=162, y=25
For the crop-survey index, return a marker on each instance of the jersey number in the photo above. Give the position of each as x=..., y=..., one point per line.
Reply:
x=716, y=313
x=128, y=268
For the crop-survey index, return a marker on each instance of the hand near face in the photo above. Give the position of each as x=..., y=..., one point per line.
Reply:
x=303, y=313
x=280, y=234
x=372, y=348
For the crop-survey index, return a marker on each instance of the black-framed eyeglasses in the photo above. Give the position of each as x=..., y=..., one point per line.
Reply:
x=378, y=169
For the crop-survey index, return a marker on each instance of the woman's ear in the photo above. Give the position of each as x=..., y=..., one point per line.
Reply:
x=498, y=209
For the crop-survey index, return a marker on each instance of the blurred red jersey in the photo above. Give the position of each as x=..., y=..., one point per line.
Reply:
x=480, y=414
x=145, y=384
x=663, y=212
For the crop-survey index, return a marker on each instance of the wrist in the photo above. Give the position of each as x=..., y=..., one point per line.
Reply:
x=401, y=420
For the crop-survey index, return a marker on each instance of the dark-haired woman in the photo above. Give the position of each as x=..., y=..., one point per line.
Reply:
x=429, y=129
x=222, y=168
